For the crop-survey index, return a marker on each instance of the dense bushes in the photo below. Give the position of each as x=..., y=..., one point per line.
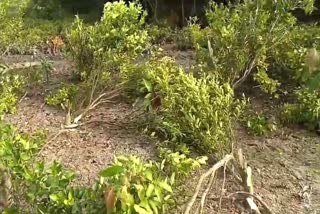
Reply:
x=245, y=38
x=10, y=85
x=28, y=33
x=258, y=39
x=199, y=111
x=306, y=109
x=129, y=185
x=261, y=40
x=117, y=37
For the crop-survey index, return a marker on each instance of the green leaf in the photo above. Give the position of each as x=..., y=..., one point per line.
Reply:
x=172, y=178
x=148, y=175
x=140, y=210
x=165, y=186
x=112, y=171
x=148, y=85
x=55, y=197
x=154, y=207
x=149, y=190
x=141, y=191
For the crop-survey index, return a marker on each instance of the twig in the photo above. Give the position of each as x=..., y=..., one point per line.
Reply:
x=204, y=195
x=205, y=175
x=246, y=73
x=105, y=122
x=247, y=194
x=5, y=52
x=24, y=96
x=246, y=176
x=112, y=94
x=223, y=185
x=61, y=131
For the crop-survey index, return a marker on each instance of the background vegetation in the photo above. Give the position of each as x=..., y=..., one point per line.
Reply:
x=257, y=44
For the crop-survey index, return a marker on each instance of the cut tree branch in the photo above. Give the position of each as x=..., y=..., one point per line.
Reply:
x=212, y=170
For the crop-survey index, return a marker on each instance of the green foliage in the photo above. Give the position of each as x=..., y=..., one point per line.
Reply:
x=139, y=187
x=266, y=84
x=11, y=22
x=290, y=59
x=246, y=37
x=259, y=125
x=117, y=38
x=129, y=185
x=10, y=85
x=65, y=96
x=48, y=9
x=160, y=33
x=28, y=33
x=179, y=164
x=31, y=180
x=306, y=108
x=205, y=115
x=38, y=187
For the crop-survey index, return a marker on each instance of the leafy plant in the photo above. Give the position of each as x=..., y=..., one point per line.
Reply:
x=179, y=164
x=246, y=37
x=205, y=115
x=305, y=110
x=129, y=185
x=119, y=36
x=159, y=33
x=65, y=96
x=137, y=187
x=31, y=180
x=259, y=125
x=10, y=85
x=29, y=33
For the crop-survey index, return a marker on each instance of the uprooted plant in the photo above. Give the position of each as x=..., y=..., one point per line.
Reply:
x=245, y=180
x=99, y=50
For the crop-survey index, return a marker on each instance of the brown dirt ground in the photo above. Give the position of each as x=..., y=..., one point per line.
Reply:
x=286, y=166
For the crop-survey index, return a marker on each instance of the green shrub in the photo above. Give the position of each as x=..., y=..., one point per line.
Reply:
x=289, y=59
x=118, y=37
x=129, y=184
x=30, y=180
x=37, y=187
x=10, y=85
x=306, y=108
x=198, y=111
x=65, y=96
x=259, y=125
x=11, y=22
x=245, y=38
x=160, y=33
x=48, y=9
x=138, y=187
x=28, y=33
x=178, y=164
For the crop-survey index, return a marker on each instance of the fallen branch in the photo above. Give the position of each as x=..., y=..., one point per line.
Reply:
x=212, y=170
x=246, y=73
x=102, y=98
x=247, y=194
x=204, y=195
x=22, y=65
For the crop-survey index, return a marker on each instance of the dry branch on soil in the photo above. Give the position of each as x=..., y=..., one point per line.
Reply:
x=211, y=171
x=246, y=181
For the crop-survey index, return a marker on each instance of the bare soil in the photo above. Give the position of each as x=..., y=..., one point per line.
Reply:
x=286, y=165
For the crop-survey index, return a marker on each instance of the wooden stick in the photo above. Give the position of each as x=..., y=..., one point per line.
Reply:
x=205, y=175
x=204, y=195
x=247, y=194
